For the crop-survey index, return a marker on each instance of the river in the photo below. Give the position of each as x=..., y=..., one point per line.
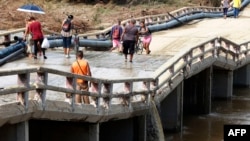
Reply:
x=210, y=127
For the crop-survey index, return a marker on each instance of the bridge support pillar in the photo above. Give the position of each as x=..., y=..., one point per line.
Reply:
x=23, y=131
x=124, y=130
x=15, y=132
x=94, y=132
x=197, y=93
x=222, y=83
x=241, y=76
x=142, y=128
x=171, y=109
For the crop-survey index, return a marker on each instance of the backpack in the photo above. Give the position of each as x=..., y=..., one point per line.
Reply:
x=66, y=26
x=116, y=32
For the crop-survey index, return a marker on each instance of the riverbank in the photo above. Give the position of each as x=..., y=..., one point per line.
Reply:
x=95, y=16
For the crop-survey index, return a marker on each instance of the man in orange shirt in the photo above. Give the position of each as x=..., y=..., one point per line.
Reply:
x=81, y=67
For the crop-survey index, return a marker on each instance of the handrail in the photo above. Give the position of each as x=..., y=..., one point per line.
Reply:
x=181, y=63
x=217, y=48
x=102, y=86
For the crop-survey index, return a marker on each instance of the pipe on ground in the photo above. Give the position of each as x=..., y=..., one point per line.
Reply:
x=11, y=52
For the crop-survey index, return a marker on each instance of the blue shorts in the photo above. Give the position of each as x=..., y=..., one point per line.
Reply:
x=67, y=42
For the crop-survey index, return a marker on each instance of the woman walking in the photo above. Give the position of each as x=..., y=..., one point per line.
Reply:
x=147, y=37
x=35, y=29
x=225, y=4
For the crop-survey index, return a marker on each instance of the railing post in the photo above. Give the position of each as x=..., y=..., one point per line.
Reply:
x=148, y=97
x=236, y=57
x=187, y=68
x=42, y=78
x=155, y=87
x=170, y=84
x=247, y=48
x=71, y=84
x=7, y=40
x=126, y=90
x=216, y=46
x=129, y=90
x=103, y=35
x=107, y=90
x=190, y=55
x=150, y=20
x=171, y=69
x=242, y=52
x=146, y=21
x=99, y=96
x=202, y=49
x=98, y=36
x=94, y=88
x=23, y=97
x=158, y=19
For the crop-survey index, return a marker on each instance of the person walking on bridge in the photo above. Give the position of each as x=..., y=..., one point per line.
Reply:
x=35, y=29
x=130, y=37
x=236, y=6
x=116, y=33
x=81, y=67
x=29, y=41
x=146, y=36
x=225, y=5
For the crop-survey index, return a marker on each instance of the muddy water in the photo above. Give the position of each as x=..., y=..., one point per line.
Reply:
x=210, y=127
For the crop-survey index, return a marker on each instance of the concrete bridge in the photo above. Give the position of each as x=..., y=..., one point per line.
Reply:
x=188, y=66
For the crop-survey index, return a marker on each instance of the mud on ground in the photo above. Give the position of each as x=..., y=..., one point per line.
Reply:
x=88, y=17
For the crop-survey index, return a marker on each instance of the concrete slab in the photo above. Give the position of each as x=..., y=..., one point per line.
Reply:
x=165, y=44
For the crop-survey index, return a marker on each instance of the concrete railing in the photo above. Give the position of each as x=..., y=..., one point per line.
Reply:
x=102, y=89
x=217, y=51
x=181, y=66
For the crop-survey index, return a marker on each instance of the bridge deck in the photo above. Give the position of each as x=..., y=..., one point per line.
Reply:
x=165, y=44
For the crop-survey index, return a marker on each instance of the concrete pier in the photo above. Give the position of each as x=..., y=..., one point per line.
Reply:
x=197, y=93
x=171, y=109
x=15, y=132
x=222, y=83
x=133, y=129
x=242, y=76
x=172, y=50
